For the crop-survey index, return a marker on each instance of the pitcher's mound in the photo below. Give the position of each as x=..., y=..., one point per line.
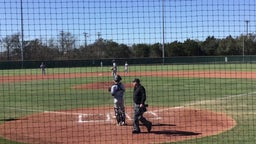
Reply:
x=99, y=85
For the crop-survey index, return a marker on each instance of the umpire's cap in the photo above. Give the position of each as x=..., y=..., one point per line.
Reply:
x=136, y=80
x=117, y=78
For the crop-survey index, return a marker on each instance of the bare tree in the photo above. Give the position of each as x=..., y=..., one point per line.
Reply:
x=12, y=44
x=66, y=41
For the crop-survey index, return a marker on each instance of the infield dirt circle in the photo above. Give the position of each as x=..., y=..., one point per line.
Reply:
x=97, y=125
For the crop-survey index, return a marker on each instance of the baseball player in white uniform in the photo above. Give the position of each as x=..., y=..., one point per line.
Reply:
x=117, y=91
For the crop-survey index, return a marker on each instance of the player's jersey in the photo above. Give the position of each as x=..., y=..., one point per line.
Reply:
x=114, y=67
x=117, y=90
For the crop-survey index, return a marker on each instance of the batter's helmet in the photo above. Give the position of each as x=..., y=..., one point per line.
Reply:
x=117, y=78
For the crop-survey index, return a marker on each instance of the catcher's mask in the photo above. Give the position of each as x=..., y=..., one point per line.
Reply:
x=117, y=78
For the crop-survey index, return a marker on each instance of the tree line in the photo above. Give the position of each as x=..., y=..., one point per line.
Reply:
x=65, y=48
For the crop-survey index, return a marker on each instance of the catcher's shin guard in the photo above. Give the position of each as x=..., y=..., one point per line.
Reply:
x=120, y=116
x=122, y=113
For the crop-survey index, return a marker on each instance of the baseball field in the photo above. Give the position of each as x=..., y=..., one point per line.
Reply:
x=196, y=103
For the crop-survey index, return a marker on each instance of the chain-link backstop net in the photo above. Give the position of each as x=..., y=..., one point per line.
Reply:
x=191, y=61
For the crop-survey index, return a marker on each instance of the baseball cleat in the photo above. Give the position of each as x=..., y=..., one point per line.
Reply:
x=135, y=132
x=123, y=123
x=149, y=127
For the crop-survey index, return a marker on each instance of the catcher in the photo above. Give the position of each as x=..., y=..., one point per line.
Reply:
x=117, y=91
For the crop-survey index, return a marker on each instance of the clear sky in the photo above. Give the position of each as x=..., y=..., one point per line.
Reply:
x=128, y=21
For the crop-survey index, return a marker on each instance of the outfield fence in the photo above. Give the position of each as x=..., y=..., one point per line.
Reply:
x=122, y=61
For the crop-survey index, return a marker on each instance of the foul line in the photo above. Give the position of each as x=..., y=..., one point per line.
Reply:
x=204, y=102
x=43, y=111
x=221, y=98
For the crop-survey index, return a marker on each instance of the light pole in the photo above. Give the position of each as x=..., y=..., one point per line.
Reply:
x=99, y=35
x=22, y=32
x=247, y=25
x=163, y=32
x=85, y=38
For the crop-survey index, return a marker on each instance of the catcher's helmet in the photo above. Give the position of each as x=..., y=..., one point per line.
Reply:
x=117, y=78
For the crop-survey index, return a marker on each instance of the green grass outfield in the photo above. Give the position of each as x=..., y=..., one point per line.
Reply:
x=236, y=97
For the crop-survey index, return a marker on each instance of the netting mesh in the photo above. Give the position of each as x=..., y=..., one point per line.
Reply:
x=195, y=60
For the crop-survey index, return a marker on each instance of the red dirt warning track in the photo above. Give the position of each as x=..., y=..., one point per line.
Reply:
x=96, y=125
x=197, y=74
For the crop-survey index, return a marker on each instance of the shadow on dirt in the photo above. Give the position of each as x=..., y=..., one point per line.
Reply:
x=9, y=119
x=163, y=125
x=175, y=133
x=160, y=124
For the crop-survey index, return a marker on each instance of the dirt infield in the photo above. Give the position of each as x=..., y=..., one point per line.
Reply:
x=97, y=125
x=196, y=74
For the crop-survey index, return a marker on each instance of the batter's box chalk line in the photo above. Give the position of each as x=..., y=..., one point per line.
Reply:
x=87, y=118
x=155, y=116
x=92, y=118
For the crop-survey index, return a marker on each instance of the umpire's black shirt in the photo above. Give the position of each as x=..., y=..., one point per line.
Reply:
x=139, y=94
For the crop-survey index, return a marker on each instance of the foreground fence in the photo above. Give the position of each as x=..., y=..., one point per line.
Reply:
x=194, y=58
x=188, y=103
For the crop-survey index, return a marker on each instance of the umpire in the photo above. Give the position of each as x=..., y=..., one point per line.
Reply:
x=139, y=98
